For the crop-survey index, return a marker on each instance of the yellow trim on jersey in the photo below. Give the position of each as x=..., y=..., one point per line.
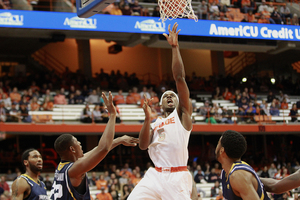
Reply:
x=262, y=195
x=61, y=165
x=234, y=164
x=30, y=178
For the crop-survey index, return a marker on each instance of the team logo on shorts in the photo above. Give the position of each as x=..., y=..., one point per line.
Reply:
x=161, y=134
x=227, y=186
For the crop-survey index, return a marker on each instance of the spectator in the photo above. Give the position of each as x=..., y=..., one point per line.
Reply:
x=71, y=100
x=222, y=8
x=48, y=183
x=13, y=113
x=5, y=4
x=214, y=191
x=119, y=98
x=226, y=115
x=86, y=115
x=60, y=97
x=270, y=97
x=97, y=116
x=156, y=12
x=21, y=5
x=79, y=99
x=145, y=12
x=24, y=113
x=126, y=10
x=6, y=100
x=227, y=95
x=284, y=104
x=103, y=195
x=93, y=98
x=3, y=112
x=113, y=192
x=101, y=183
x=295, y=20
x=145, y=91
x=125, y=192
x=130, y=98
x=202, y=10
x=199, y=176
x=272, y=170
x=48, y=94
x=276, y=16
x=217, y=95
x=136, y=95
x=265, y=173
x=104, y=113
x=3, y=184
x=246, y=5
x=274, y=111
x=47, y=105
x=15, y=95
x=34, y=106
x=136, y=179
x=136, y=8
x=116, y=9
x=262, y=6
x=212, y=176
x=294, y=113
x=93, y=179
x=285, y=11
x=252, y=95
x=271, y=7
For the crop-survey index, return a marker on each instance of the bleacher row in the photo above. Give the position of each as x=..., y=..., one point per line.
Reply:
x=134, y=113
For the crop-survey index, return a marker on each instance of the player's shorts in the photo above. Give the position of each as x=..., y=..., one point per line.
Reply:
x=163, y=185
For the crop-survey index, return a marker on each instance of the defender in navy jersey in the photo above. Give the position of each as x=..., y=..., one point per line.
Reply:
x=28, y=186
x=239, y=180
x=70, y=181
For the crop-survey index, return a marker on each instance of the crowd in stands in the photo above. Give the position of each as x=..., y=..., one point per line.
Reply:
x=223, y=10
x=248, y=106
x=17, y=97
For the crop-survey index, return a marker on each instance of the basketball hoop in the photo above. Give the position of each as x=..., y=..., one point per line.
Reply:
x=172, y=9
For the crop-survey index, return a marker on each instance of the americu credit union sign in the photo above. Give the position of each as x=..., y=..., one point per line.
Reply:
x=151, y=25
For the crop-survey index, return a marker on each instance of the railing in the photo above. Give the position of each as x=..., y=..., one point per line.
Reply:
x=49, y=61
x=243, y=60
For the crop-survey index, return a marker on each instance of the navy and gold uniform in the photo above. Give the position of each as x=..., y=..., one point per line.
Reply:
x=227, y=190
x=62, y=188
x=38, y=190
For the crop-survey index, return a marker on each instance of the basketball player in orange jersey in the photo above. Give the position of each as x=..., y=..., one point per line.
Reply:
x=167, y=139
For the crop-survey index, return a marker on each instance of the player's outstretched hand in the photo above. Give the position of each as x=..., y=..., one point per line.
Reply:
x=129, y=141
x=109, y=103
x=172, y=38
x=146, y=106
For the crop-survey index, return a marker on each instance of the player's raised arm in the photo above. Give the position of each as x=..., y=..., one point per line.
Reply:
x=146, y=133
x=283, y=185
x=242, y=184
x=179, y=77
x=91, y=159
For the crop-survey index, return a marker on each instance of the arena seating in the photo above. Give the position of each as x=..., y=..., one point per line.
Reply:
x=134, y=113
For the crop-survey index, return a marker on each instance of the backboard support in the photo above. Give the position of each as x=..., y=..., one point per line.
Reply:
x=88, y=8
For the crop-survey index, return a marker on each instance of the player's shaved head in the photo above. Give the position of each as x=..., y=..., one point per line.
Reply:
x=63, y=143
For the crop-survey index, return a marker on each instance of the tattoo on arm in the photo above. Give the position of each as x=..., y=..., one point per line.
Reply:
x=15, y=191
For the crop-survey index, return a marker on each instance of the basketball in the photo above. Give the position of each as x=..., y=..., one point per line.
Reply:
x=173, y=8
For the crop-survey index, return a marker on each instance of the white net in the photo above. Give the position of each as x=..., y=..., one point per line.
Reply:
x=172, y=9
